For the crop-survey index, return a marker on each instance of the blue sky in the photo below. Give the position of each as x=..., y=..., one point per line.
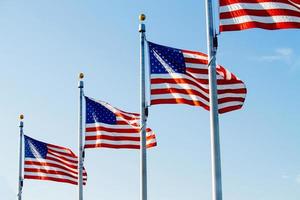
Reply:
x=45, y=44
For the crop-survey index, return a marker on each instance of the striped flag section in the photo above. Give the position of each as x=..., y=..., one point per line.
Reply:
x=266, y=14
x=50, y=162
x=109, y=127
x=181, y=77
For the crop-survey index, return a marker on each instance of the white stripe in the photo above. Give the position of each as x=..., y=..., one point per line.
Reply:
x=220, y=106
x=267, y=20
x=130, y=121
x=152, y=141
x=59, y=150
x=228, y=104
x=50, y=162
x=113, y=109
x=196, y=66
x=220, y=74
x=95, y=133
x=62, y=160
x=205, y=86
x=102, y=141
x=257, y=6
x=92, y=125
x=193, y=55
x=183, y=96
x=69, y=158
x=191, y=87
x=179, y=96
x=112, y=142
x=49, y=168
x=40, y=174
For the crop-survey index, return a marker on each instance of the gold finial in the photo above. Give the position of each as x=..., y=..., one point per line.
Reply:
x=142, y=17
x=81, y=75
x=21, y=117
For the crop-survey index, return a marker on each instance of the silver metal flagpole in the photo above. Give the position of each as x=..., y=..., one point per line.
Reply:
x=143, y=147
x=214, y=114
x=80, y=142
x=21, y=158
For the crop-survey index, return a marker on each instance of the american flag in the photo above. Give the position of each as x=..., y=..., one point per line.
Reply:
x=107, y=126
x=50, y=162
x=266, y=14
x=181, y=77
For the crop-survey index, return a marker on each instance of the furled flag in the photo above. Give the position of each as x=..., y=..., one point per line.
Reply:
x=266, y=14
x=50, y=162
x=181, y=77
x=107, y=126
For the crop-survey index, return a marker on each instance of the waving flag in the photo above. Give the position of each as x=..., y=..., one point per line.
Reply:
x=181, y=77
x=50, y=162
x=107, y=126
x=266, y=14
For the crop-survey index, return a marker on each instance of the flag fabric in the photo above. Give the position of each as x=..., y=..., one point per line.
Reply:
x=266, y=14
x=109, y=127
x=50, y=162
x=181, y=77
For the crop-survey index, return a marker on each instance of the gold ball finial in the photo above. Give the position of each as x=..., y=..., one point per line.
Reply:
x=21, y=117
x=81, y=75
x=142, y=17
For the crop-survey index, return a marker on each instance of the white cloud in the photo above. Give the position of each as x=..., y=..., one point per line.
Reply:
x=280, y=54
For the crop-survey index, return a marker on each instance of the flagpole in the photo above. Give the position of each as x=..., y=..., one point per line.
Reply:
x=80, y=142
x=21, y=158
x=214, y=114
x=143, y=147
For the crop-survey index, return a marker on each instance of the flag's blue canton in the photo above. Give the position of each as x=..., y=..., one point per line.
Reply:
x=35, y=148
x=171, y=56
x=95, y=112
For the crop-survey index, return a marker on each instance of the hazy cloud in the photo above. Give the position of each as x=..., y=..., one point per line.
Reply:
x=298, y=179
x=284, y=176
x=280, y=54
x=286, y=56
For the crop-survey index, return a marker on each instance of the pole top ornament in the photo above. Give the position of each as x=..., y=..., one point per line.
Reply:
x=21, y=117
x=81, y=75
x=142, y=17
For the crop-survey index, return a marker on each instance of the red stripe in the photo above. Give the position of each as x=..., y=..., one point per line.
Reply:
x=74, y=166
x=51, y=179
x=50, y=172
x=196, y=61
x=230, y=99
x=230, y=108
x=126, y=116
x=228, y=2
x=248, y=25
x=152, y=145
x=113, y=146
x=113, y=138
x=126, y=123
x=196, y=82
x=191, y=91
x=64, y=159
x=193, y=52
x=262, y=13
x=197, y=70
x=116, y=130
x=63, y=153
x=62, y=148
x=116, y=138
x=180, y=91
x=193, y=103
x=179, y=101
x=49, y=164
